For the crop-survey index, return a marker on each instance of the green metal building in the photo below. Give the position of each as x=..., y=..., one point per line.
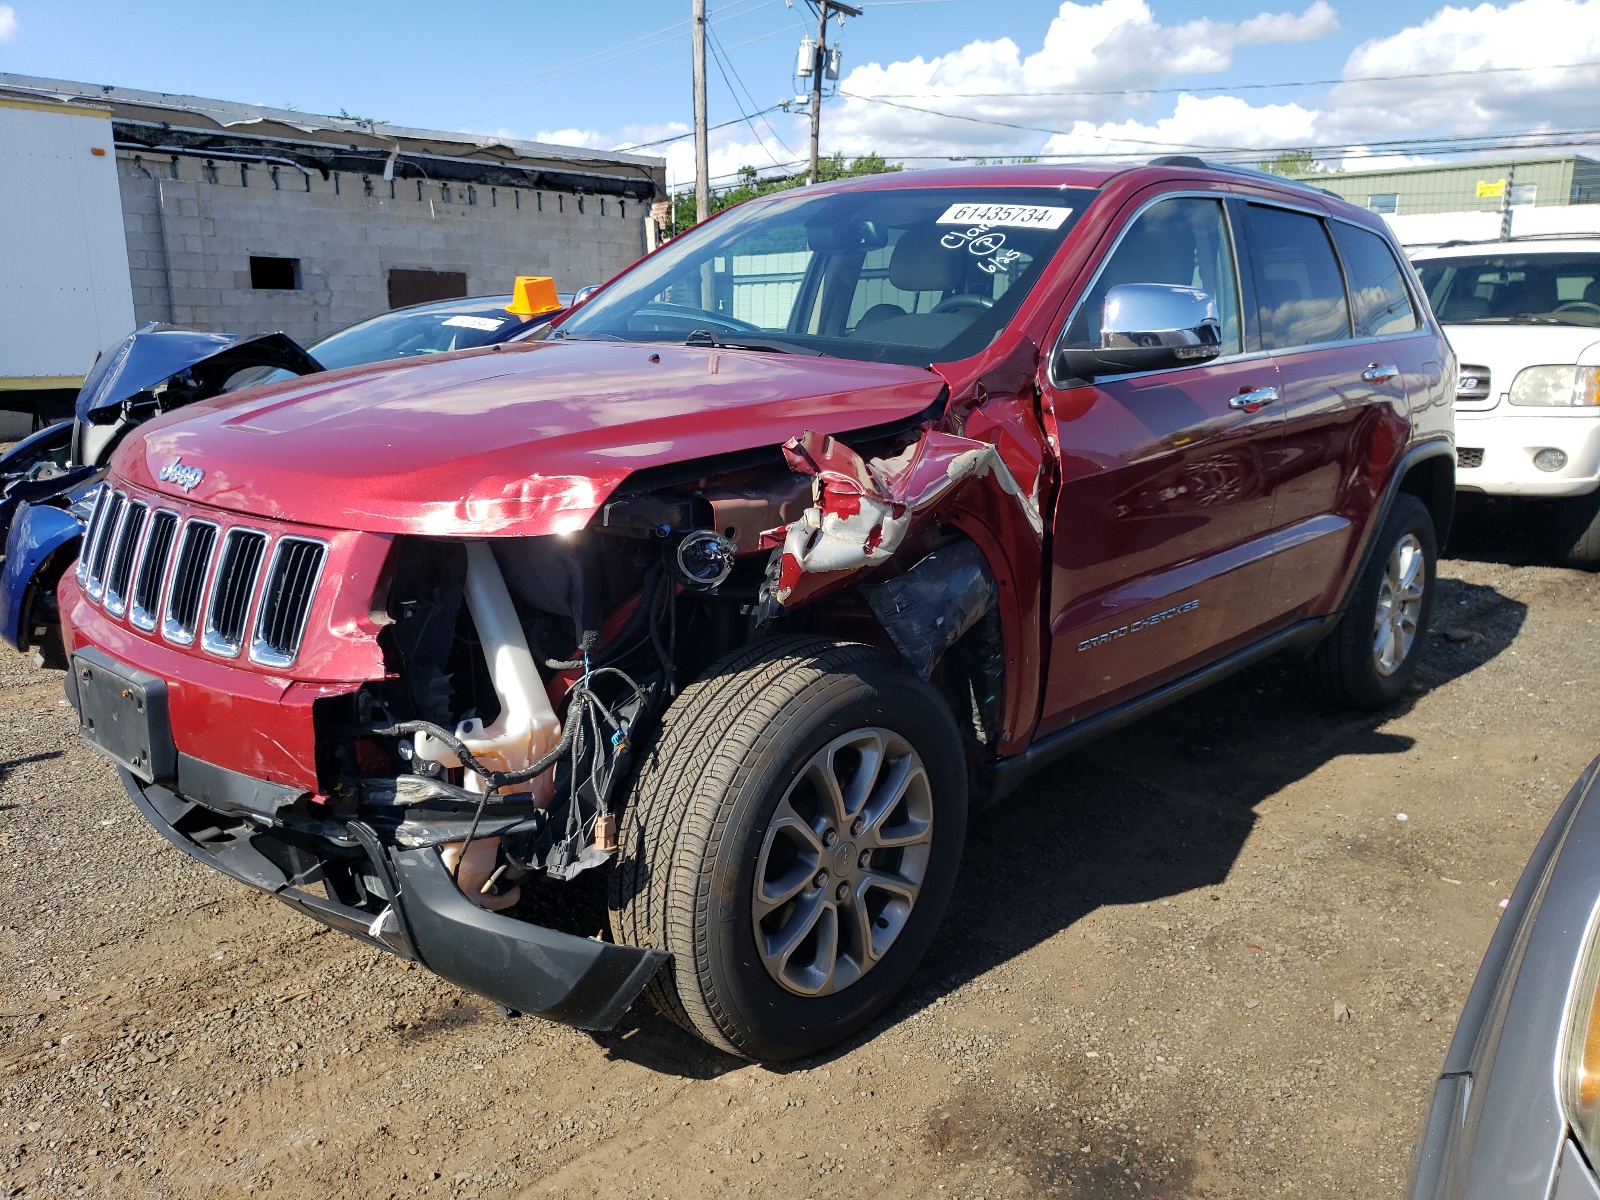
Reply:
x=1467, y=187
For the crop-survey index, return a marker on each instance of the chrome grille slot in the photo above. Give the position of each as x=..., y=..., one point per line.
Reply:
x=123, y=555
x=188, y=581
x=286, y=600
x=102, y=501
x=111, y=527
x=238, y=569
x=152, y=570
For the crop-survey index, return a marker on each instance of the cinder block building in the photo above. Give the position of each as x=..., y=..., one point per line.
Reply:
x=242, y=218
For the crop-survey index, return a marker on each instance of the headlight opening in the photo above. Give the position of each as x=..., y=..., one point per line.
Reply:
x=1580, y=1056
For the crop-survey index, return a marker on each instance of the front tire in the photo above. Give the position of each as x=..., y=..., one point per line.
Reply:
x=1373, y=652
x=792, y=840
x=1576, y=531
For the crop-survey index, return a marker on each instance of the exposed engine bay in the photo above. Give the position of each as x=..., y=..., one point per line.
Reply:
x=525, y=673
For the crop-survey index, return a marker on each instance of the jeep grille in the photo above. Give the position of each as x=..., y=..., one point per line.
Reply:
x=238, y=571
x=152, y=571
x=110, y=522
x=201, y=581
x=122, y=556
x=291, y=583
x=189, y=581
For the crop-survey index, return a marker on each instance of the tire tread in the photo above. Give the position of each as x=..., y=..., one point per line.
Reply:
x=675, y=821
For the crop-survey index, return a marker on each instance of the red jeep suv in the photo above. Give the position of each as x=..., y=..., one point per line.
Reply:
x=837, y=515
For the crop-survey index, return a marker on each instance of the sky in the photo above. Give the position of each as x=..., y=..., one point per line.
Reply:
x=922, y=80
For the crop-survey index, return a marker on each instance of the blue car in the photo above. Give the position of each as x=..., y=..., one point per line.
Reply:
x=49, y=480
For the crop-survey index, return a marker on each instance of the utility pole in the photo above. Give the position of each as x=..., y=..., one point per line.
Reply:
x=1505, y=203
x=819, y=62
x=702, y=152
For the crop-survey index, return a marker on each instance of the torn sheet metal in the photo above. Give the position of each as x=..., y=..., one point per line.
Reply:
x=861, y=509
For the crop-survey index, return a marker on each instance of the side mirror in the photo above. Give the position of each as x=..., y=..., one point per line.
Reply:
x=1147, y=327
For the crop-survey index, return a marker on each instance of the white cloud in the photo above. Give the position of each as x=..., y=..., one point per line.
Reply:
x=8, y=23
x=1116, y=46
x=1119, y=49
x=1103, y=47
x=590, y=139
x=1527, y=33
x=1215, y=121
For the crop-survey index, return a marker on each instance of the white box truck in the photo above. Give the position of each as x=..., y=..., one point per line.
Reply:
x=64, y=287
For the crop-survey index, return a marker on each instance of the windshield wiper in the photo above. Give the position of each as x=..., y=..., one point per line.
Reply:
x=704, y=337
x=1523, y=319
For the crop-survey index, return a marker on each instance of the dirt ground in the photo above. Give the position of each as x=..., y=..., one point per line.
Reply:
x=1219, y=954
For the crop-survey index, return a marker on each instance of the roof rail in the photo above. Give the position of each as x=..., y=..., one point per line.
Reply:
x=1189, y=160
x=1570, y=236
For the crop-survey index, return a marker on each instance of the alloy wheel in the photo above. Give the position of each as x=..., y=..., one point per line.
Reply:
x=1394, y=626
x=842, y=862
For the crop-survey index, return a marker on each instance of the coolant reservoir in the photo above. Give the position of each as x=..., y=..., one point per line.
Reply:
x=526, y=728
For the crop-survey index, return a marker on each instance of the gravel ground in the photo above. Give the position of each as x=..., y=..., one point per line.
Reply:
x=1218, y=954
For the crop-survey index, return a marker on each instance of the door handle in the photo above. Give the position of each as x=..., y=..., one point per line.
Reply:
x=1253, y=400
x=1379, y=374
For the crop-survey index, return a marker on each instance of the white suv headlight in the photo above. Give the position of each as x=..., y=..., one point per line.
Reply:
x=1556, y=387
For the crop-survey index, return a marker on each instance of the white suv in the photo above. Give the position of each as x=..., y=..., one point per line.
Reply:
x=1524, y=318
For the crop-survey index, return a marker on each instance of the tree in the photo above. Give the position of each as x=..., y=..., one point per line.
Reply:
x=751, y=184
x=1290, y=162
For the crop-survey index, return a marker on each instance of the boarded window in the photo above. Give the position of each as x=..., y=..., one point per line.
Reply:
x=420, y=287
x=281, y=274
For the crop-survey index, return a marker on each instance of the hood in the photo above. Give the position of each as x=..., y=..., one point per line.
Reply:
x=516, y=439
x=1506, y=349
x=152, y=354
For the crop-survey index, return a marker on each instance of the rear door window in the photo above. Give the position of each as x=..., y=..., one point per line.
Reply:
x=1300, y=298
x=1377, y=288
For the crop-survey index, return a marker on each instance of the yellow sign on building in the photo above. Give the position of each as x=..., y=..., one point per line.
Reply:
x=1487, y=189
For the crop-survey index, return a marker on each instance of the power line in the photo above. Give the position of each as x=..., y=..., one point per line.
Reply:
x=612, y=83
x=678, y=137
x=1236, y=87
x=1464, y=144
x=1164, y=145
x=991, y=121
x=551, y=72
x=596, y=59
x=723, y=60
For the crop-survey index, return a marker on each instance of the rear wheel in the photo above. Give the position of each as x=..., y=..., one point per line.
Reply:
x=792, y=840
x=1576, y=531
x=1373, y=652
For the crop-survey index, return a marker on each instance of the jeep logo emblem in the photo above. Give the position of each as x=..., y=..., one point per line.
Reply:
x=186, y=479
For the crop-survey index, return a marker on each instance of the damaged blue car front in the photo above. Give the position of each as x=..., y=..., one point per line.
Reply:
x=50, y=478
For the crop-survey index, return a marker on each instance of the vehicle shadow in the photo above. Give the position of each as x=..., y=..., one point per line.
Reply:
x=1493, y=529
x=1158, y=809
x=11, y=764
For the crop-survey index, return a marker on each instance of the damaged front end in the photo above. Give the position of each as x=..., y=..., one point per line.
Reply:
x=452, y=761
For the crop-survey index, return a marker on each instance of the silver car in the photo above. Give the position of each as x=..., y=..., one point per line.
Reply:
x=1516, y=1110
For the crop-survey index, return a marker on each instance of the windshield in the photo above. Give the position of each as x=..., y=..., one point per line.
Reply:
x=910, y=275
x=1531, y=289
x=428, y=329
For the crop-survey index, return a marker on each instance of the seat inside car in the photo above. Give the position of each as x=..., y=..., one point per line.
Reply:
x=920, y=264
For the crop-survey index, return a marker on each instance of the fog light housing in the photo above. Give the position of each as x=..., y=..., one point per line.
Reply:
x=1550, y=459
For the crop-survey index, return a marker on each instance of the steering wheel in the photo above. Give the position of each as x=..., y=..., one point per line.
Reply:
x=697, y=318
x=964, y=302
x=1573, y=305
